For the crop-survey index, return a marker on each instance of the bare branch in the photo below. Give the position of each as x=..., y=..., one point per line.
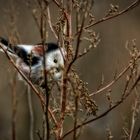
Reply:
x=114, y=80
x=50, y=23
x=14, y=108
x=109, y=110
x=31, y=130
x=130, y=7
x=137, y=134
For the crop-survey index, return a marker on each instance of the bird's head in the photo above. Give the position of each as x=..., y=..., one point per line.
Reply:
x=55, y=63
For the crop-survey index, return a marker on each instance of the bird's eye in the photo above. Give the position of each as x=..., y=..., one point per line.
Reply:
x=55, y=60
x=57, y=69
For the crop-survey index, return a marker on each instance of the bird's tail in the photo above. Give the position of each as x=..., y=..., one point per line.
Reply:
x=6, y=45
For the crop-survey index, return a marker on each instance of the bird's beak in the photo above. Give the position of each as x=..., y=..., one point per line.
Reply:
x=61, y=67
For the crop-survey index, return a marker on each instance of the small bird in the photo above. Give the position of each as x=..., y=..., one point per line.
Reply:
x=29, y=59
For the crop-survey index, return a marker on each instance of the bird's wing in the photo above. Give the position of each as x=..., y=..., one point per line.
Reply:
x=24, y=52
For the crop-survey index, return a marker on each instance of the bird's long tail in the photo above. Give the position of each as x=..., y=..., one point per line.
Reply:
x=7, y=46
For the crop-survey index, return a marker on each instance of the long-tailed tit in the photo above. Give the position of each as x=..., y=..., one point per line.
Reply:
x=29, y=59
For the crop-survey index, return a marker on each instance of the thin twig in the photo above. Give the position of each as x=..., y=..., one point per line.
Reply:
x=107, y=111
x=134, y=115
x=14, y=108
x=43, y=39
x=77, y=45
x=75, y=117
x=114, y=80
x=57, y=3
x=38, y=134
x=133, y=120
x=137, y=134
x=50, y=23
x=67, y=32
x=130, y=7
x=31, y=127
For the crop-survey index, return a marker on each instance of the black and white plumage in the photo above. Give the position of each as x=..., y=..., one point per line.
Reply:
x=29, y=59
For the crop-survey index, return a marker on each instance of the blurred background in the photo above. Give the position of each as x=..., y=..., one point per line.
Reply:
x=109, y=56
